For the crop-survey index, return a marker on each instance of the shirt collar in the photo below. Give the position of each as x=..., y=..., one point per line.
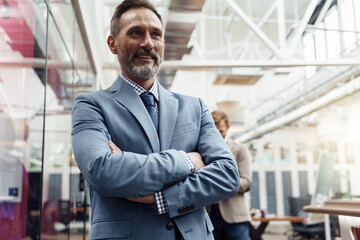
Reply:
x=139, y=90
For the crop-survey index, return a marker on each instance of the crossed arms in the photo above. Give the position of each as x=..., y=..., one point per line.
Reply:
x=132, y=175
x=150, y=199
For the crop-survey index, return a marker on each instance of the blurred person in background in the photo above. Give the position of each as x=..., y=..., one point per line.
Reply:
x=231, y=216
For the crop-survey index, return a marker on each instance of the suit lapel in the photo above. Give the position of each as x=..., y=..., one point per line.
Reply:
x=126, y=96
x=168, y=109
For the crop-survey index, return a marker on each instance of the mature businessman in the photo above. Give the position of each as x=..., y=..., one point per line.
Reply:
x=153, y=159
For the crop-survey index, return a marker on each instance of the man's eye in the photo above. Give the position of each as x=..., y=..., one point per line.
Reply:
x=135, y=33
x=156, y=34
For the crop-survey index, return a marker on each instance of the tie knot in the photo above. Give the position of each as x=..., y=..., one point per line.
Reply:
x=148, y=99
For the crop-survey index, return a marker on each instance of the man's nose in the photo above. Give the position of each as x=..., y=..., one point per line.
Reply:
x=147, y=42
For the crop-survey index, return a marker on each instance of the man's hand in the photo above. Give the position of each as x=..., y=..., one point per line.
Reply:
x=148, y=199
x=114, y=148
x=197, y=160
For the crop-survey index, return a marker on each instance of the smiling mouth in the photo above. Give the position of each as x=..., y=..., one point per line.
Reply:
x=144, y=57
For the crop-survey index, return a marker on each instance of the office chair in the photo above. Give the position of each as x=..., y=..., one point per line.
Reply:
x=304, y=230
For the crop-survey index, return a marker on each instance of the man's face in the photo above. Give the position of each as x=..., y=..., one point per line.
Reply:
x=222, y=127
x=140, y=43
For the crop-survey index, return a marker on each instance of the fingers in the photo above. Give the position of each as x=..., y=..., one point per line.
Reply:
x=148, y=199
x=114, y=148
x=197, y=160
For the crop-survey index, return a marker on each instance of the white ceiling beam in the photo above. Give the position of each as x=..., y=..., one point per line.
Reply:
x=301, y=28
x=267, y=15
x=267, y=41
x=214, y=64
x=323, y=11
x=243, y=49
x=40, y=63
x=179, y=65
x=341, y=25
x=336, y=94
x=84, y=34
x=281, y=24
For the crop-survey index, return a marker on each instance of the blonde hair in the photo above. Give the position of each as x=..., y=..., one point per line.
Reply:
x=220, y=115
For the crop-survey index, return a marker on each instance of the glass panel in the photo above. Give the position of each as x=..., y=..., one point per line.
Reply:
x=82, y=81
x=287, y=190
x=350, y=153
x=309, y=54
x=65, y=216
x=348, y=23
x=332, y=36
x=80, y=53
x=336, y=184
x=65, y=18
x=357, y=17
x=22, y=95
x=70, y=46
x=268, y=155
x=301, y=156
x=320, y=43
x=56, y=176
x=254, y=191
x=84, y=78
x=303, y=181
x=316, y=157
x=271, y=192
x=254, y=154
x=349, y=41
x=285, y=155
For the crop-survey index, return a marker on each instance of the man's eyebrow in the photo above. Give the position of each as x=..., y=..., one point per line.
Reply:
x=134, y=28
x=138, y=27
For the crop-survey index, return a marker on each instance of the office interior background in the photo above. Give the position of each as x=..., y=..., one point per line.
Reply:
x=285, y=71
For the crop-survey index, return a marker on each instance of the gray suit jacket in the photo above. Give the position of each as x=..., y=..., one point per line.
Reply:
x=149, y=163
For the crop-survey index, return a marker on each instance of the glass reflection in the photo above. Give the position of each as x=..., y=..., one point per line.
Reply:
x=22, y=41
x=39, y=179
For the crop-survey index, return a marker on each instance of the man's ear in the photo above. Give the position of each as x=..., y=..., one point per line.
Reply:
x=111, y=44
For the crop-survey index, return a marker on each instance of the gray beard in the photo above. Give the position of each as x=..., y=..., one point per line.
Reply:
x=144, y=71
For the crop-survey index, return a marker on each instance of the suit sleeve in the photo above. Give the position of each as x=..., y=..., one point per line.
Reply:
x=218, y=180
x=124, y=174
x=242, y=157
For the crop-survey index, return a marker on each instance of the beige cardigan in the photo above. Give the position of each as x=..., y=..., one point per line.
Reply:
x=235, y=209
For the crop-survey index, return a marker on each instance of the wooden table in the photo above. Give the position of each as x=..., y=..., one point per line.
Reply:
x=255, y=233
x=347, y=207
x=341, y=207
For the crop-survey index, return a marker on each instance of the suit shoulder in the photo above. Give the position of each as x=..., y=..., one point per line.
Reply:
x=182, y=96
x=187, y=99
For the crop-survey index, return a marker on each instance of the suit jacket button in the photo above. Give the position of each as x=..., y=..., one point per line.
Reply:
x=169, y=226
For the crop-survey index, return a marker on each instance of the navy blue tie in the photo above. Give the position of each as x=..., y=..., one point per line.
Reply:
x=149, y=102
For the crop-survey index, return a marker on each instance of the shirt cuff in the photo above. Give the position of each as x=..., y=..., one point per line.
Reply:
x=189, y=162
x=160, y=203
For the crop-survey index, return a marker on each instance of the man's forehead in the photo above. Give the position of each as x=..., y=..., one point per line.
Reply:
x=134, y=16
